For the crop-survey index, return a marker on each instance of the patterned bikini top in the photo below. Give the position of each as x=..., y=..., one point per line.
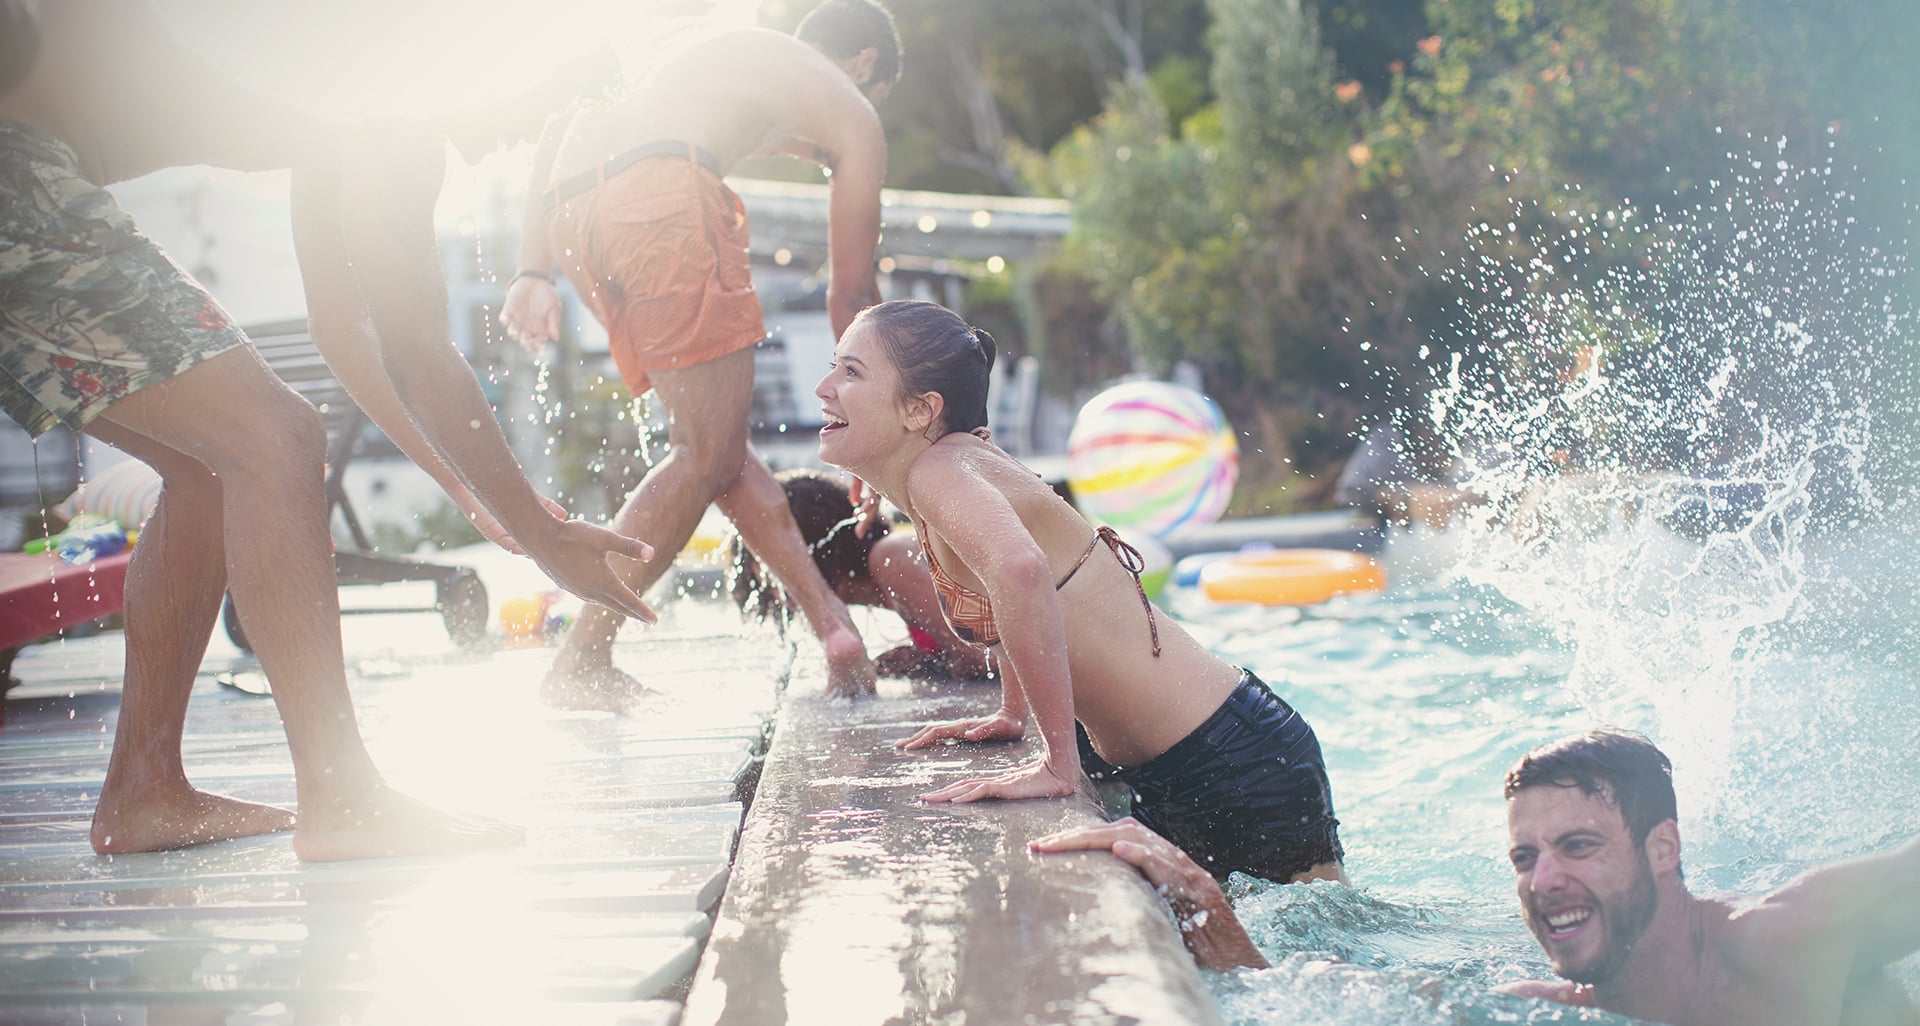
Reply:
x=971, y=615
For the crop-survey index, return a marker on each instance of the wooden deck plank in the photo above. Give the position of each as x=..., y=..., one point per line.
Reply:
x=632, y=825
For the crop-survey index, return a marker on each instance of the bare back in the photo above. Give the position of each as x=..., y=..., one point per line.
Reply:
x=744, y=93
x=737, y=94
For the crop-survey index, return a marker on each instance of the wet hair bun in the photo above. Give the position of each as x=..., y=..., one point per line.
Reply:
x=987, y=346
x=934, y=350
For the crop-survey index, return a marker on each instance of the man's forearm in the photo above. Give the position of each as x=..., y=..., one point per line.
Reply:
x=387, y=231
x=853, y=233
x=536, y=252
x=343, y=329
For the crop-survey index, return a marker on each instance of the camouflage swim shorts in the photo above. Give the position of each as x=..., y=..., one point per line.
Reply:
x=90, y=309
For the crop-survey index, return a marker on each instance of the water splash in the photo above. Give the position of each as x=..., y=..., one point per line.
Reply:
x=1665, y=408
x=1689, y=427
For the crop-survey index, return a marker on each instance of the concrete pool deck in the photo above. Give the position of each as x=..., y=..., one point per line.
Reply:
x=854, y=903
x=848, y=902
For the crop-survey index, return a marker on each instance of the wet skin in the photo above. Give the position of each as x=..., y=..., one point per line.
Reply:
x=1618, y=923
x=1586, y=889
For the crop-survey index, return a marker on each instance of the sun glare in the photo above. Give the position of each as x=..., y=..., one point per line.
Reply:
x=361, y=58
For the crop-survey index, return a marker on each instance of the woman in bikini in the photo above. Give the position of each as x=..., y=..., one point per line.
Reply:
x=1218, y=764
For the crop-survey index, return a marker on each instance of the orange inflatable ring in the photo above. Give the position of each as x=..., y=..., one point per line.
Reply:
x=1290, y=577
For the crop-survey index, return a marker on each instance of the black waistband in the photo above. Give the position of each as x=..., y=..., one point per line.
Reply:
x=576, y=184
x=1249, y=706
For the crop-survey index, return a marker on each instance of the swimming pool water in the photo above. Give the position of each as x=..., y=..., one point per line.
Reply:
x=1791, y=730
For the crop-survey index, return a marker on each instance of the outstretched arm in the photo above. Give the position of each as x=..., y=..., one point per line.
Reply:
x=173, y=106
x=837, y=127
x=387, y=190
x=343, y=333
x=1869, y=904
x=1207, y=923
x=853, y=225
x=987, y=536
x=1893, y=914
x=531, y=312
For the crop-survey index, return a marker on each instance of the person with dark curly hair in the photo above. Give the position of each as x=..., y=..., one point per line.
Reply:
x=877, y=567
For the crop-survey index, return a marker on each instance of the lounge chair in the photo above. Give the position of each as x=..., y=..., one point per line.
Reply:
x=39, y=594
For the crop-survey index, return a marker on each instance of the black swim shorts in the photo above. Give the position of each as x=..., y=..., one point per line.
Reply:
x=1245, y=792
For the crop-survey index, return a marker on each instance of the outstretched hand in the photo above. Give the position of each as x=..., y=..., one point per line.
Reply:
x=496, y=532
x=1036, y=779
x=1207, y=923
x=531, y=312
x=491, y=528
x=1001, y=726
x=575, y=554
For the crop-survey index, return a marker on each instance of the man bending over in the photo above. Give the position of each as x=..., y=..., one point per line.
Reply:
x=100, y=331
x=627, y=200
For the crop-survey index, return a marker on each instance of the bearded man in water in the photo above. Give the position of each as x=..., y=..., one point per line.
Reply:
x=1595, y=846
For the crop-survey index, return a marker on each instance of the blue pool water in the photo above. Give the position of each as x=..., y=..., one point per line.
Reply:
x=1748, y=338
x=1789, y=720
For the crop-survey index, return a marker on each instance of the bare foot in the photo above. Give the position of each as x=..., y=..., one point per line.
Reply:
x=849, y=671
x=383, y=822
x=176, y=816
x=600, y=689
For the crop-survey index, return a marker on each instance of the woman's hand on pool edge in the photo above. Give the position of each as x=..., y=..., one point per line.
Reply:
x=1036, y=779
x=1207, y=923
x=1001, y=726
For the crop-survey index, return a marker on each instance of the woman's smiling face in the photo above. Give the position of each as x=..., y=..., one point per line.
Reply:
x=860, y=401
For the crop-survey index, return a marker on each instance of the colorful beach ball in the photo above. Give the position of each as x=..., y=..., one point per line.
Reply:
x=1152, y=456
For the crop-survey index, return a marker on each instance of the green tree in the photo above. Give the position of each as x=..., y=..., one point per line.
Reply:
x=1299, y=238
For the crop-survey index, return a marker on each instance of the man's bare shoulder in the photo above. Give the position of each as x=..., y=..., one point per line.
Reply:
x=1562, y=991
x=1822, y=899
x=1789, y=927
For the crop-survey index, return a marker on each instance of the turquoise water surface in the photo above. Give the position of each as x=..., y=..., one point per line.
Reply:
x=1788, y=718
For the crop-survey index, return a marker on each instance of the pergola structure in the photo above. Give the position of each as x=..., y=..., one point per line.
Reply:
x=936, y=231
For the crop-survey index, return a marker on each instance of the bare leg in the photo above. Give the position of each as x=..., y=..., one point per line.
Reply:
x=173, y=594
x=757, y=505
x=267, y=448
x=664, y=511
x=707, y=455
x=706, y=408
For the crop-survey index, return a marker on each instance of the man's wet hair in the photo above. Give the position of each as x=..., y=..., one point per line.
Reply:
x=825, y=515
x=842, y=28
x=1619, y=766
x=19, y=42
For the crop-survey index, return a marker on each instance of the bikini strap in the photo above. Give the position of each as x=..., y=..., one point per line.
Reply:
x=1131, y=561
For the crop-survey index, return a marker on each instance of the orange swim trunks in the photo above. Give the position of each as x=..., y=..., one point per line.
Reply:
x=659, y=251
